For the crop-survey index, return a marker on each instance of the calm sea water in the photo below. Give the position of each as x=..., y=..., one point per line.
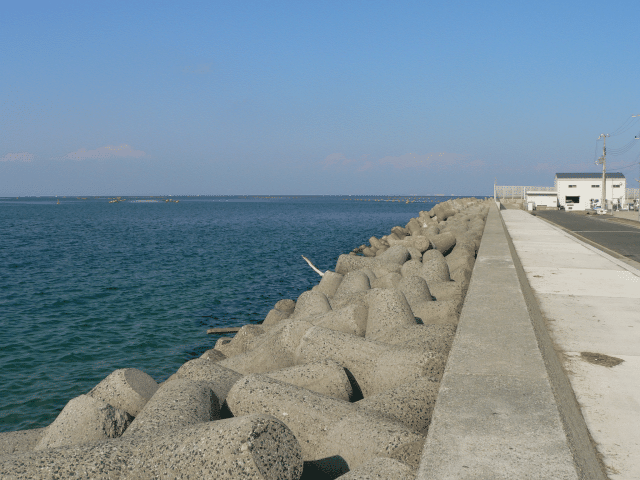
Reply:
x=87, y=286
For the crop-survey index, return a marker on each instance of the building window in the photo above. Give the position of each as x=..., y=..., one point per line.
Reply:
x=595, y=186
x=616, y=186
x=572, y=186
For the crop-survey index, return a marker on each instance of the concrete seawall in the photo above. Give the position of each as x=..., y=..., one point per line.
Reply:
x=505, y=408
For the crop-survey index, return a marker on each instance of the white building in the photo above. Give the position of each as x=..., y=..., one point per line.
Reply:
x=579, y=191
x=541, y=198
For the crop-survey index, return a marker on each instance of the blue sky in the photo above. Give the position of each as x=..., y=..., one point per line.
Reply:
x=140, y=98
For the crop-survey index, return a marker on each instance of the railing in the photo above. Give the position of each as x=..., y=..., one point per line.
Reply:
x=514, y=192
x=632, y=193
x=515, y=196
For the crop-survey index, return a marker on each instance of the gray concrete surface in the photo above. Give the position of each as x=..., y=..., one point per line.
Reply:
x=601, y=229
x=496, y=415
x=591, y=305
x=251, y=447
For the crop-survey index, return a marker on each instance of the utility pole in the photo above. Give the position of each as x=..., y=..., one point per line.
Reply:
x=637, y=179
x=603, y=161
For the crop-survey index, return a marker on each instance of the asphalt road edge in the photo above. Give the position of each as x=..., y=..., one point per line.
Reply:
x=612, y=255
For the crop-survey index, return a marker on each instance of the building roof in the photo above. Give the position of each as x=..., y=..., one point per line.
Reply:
x=589, y=175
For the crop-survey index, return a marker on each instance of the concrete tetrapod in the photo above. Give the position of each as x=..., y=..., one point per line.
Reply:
x=175, y=404
x=273, y=318
x=461, y=262
x=311, y=303
x=388, y=309
x=430, y=337
x=414, y=253
x=351, y=318
x=410, y=404
x=419, y=242
x=416, y=291
x=20, y=440
x=444, y=210
x=395, y=254
x=375, y=366
x=253, y=447
x=84, y=419
x=448, y=291
x=220, y=379
x=245, y=339
x=369, y=252
x=412, y=268
x=390, y=280
x=283, y=309
x=434, y=267
x=443, y=242
x=329, y=283
x=353, y=282
x=325, y=427
x=348, y=263
x=286, y=305
x=213, y=355
x=413, y=226
x=325, y=377
x=275, y=351
x=441, y=312
x=128, y=389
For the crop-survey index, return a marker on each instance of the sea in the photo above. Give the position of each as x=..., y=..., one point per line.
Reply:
x=89, y=285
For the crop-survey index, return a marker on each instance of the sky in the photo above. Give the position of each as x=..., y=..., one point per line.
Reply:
x=291, y=98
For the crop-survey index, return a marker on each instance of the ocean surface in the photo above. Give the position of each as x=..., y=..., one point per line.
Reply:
x=88, y=286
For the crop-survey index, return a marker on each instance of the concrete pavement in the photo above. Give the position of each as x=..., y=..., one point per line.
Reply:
x=591, y=304
x=622, y=238
x=497, y=415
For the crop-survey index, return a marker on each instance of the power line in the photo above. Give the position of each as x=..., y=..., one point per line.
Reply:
x=624, y=127
x=624, y=149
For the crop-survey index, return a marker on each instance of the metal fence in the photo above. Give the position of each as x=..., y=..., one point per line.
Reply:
x=515, y=192
x=632, y=193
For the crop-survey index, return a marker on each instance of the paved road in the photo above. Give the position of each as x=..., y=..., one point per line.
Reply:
x=622, y=239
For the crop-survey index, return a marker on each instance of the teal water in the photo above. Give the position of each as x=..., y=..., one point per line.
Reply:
x=87, y=287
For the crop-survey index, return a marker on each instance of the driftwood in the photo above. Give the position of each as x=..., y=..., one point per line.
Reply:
x=223, y=330
x=315, y=269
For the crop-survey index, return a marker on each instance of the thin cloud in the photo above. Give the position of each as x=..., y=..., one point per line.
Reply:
x=109, y=151
x=17, y=157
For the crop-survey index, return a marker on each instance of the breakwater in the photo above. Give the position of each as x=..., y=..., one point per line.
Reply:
x=343, y=379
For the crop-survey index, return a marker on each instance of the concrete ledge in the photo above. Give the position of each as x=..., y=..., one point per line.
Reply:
x=496, y=415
